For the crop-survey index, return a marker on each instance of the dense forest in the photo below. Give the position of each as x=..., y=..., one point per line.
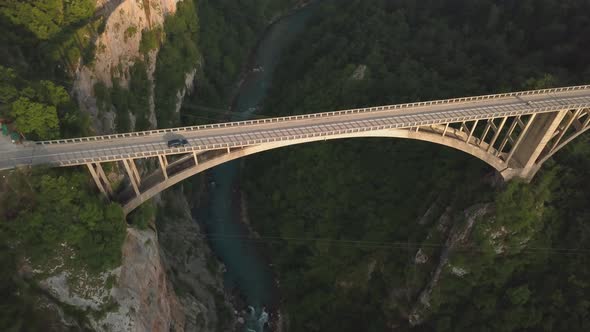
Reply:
x=365, y=223
x=49, y=218
x=229, y=32
x=358, y=227
x=50, y=214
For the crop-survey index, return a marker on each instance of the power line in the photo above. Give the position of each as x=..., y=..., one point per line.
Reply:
x=387, y=244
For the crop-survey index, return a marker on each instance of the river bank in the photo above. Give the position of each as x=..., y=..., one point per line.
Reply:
x=249, y=67
x=249, y=278
x=276, y=321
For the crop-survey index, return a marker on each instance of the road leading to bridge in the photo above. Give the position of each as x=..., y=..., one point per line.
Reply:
x=245, y=133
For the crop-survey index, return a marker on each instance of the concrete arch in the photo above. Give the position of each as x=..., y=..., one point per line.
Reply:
x=448, y=141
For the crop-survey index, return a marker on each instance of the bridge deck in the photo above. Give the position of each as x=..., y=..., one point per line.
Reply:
x=245, y=133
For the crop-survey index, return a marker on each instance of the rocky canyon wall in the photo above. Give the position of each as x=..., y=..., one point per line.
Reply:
x=117, y=49
x=139, y=295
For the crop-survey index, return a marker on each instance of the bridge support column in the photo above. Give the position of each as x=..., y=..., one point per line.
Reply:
x=196, y=158
x=573, y=117
x=129, y=165
x=531, y=143
x=135, y=171
x=98, y=176
x=163, y=166
x=103, y=176
x=508, y=136
x=497, y=134
x=472, y=131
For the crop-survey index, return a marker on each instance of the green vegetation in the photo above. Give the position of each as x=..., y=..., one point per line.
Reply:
x=374, y=191
x=54, y=219
x=120, y=99
x=55, y=33
x=51, y=219
x=139, y=95
x=179, y=55
x=41, y=109
x=144, y=216
x=150, y=40
x=46, y=18
x=131, y=100
x=44, y=212
x=229, y=31
x=103, y=97
x=130, y=32
x=35, y=118
x=19, y=311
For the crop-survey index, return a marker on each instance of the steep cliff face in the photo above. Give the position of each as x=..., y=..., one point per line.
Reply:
x=457, y=236
x=117, y=49
x=475, y=242
x=194, y=271
x=136, y=296
x=147, y=301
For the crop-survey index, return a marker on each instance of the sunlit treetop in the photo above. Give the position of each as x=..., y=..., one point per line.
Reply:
x=46, y=18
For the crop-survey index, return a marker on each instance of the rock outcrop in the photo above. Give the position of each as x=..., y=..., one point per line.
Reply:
x=137, y=296
x=117, y=49
x=458, y=236
x=146, y=299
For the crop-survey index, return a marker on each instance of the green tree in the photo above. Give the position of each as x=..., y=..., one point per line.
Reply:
x=103, y=97
x=77, y=10
x=143, y=216
x=179, y=55
x=45, y=18
x=8, y=90
x=35, y=118
x=41, y=17
x=58, y=210
x=519, y=295
x=53, y=94
x=150, y=39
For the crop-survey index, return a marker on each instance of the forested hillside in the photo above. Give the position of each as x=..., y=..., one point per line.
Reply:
x=48, y=219
x=229, y=32
x=380, y=234
x=365, y=235
x=55, y=220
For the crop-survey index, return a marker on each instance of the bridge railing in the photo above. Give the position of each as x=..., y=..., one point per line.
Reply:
x=410, y=121
x=312, y=115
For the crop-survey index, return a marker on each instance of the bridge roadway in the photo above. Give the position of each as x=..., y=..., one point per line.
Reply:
x=245, y=133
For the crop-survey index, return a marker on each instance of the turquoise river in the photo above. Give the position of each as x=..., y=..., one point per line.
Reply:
x=248, y=270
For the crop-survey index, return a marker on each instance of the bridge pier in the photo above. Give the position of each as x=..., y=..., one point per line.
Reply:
x=100, y=178
x=524, y=156
x=163, y=165
x=133, y=175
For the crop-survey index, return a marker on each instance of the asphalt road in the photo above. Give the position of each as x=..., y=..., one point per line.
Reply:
x=249, y=133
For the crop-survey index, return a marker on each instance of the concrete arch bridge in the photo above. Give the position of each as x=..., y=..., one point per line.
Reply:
x=515, y=133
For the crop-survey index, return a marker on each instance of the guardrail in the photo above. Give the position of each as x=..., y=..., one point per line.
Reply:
x=313, y=115
x=363, y=127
